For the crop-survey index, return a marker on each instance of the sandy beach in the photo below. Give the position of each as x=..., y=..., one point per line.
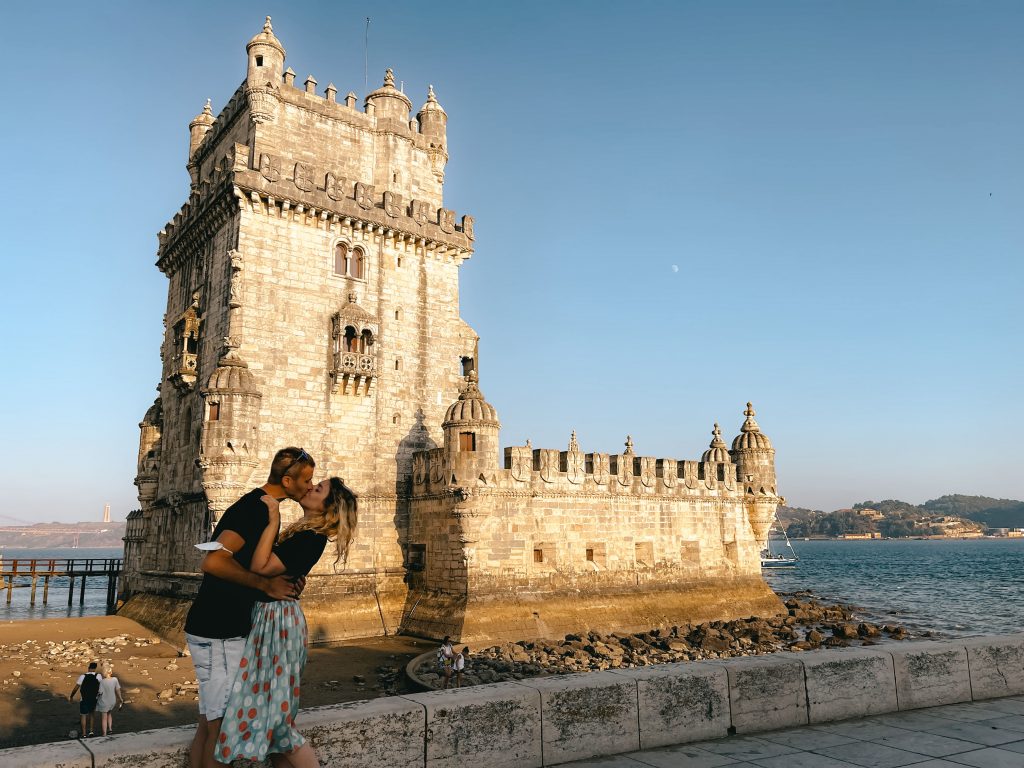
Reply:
x=41, y=659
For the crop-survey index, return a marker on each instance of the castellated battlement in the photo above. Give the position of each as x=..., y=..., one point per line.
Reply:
x=572, y=471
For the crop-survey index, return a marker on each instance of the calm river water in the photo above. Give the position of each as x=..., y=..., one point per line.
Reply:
x=953, y=587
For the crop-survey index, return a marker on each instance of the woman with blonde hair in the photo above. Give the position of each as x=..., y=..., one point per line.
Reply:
x=110, y=695
x=264, y=698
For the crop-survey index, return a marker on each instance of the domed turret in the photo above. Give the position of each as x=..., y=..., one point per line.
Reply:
x=389, y=102
x=751, y=437
x=198, y=129
x=433, y=119
x=754, y=457
x=471, y=428
x=150, y=429
x=718, y=452
x=266, y=58
x=232, y=377
x=471, y=407
x=229, y=442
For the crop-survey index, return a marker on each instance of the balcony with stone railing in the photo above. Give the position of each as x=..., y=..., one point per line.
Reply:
x=354, y=372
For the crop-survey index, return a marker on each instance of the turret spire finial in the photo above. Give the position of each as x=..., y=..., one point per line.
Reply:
x=268, y=27
x=574, y=447
x=389, y=78
x=717, y=441
x=208, y=110
x=430, y=94
x=629, y=446
x=750, y=425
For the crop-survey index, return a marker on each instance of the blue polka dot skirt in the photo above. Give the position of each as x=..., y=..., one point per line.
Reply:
x=264, y=699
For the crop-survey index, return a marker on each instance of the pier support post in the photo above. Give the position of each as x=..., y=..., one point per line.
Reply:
x=10, y=582
x=46, y=587
x=32, y=596
x=71, y=588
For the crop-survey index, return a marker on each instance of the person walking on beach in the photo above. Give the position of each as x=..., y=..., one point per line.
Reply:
x=259, y=718
x=220, y=617
x=110, y=696
x=89, y=685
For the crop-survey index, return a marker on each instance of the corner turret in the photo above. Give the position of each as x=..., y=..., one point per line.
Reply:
x=266, y=58
x=754, y=457
x=148, y=476
x=198, y=129
x=229, y=444
x=433, y=119
x=471, y=430
x=389, y=102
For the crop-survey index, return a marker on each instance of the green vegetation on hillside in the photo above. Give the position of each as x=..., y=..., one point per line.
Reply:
x=952, y=515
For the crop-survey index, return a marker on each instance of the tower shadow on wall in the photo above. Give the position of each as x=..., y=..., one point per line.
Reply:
x=436, y=580
x=416, y=439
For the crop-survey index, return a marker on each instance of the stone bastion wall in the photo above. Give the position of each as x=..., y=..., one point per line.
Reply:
x=548, y=721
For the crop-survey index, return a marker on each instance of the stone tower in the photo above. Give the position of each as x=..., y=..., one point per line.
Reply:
x=312, y=300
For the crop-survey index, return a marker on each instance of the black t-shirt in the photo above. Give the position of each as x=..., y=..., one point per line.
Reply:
x=223, y=609
x=299, y=553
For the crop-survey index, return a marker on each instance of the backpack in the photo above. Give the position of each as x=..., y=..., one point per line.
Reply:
x=90, y=686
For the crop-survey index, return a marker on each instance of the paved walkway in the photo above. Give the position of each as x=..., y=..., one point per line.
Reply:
x=985, y=734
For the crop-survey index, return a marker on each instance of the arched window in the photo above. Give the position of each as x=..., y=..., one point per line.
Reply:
x=351, y=340
x=356, y=263
x=340, y=259
x=349, y=262
x=365, y=340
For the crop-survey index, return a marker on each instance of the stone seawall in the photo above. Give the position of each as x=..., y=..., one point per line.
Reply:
x=551, y=720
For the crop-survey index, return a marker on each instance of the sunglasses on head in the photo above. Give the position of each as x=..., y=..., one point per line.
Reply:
x=300, y=456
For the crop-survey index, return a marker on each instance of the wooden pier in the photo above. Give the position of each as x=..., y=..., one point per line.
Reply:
x=28, y=572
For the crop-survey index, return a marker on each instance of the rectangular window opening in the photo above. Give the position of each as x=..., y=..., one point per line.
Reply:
x=467, y=441
x=538, y=555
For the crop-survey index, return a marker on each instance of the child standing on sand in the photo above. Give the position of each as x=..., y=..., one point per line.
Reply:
x=459, y=665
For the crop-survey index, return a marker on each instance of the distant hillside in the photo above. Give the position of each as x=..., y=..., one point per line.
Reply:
x=995, y=513
x=952, y=515
x=60, y=535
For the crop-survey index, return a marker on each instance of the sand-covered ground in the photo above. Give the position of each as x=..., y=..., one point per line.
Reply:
x=41, y=659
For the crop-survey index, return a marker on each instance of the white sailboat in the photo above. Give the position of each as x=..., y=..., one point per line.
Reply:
x=783, y=555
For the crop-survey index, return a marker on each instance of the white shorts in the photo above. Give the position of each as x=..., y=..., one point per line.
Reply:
x=216, y=664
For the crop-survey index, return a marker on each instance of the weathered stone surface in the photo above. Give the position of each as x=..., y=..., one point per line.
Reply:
x=587, y=715
x=766, y=692
x=70, y=754
x=848, y=683
x=681, y=702
x=493, y=725
x=929, y=674
x=996, y=666
x=160, y=748
x=380, y=732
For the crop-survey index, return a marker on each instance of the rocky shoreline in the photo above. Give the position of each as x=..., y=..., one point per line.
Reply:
x=809, y=624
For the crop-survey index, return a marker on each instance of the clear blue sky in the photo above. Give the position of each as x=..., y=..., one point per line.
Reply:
x=817, y=206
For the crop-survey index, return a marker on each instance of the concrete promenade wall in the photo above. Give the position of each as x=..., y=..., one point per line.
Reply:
x=550, y=720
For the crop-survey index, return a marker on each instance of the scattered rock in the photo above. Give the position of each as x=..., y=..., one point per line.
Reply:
x=801, y=630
